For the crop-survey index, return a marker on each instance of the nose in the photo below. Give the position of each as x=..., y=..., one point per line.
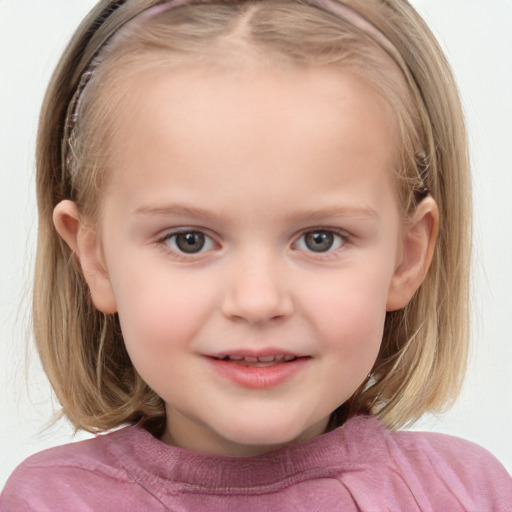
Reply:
x=257, y=291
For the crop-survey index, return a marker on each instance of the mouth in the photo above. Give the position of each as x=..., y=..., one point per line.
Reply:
x=263, y=370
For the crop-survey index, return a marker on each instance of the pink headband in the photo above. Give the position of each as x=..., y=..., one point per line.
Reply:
x=345, y=12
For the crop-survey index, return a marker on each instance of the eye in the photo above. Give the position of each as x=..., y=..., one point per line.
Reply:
x=189, y=242
x=320, y=240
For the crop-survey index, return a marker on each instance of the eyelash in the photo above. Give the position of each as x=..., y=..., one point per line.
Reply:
x=168, y=238
x=340, y=239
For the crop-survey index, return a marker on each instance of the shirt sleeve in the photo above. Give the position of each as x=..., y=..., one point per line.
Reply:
x=445, y=464
x=57, y=487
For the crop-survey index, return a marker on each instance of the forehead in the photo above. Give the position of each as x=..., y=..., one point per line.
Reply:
x=233, y=132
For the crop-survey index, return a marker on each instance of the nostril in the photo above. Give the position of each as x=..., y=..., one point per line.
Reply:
x=267, y=305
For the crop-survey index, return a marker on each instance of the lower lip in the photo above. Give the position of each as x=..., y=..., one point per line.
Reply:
x=258, y=377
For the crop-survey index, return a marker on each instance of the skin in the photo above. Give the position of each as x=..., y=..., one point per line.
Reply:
x=255, y=160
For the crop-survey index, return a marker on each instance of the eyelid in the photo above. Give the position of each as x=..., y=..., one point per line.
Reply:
x=162, y=242
x=342, y=234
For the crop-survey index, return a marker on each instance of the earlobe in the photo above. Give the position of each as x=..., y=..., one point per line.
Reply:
x=418, y=244
x=84, y=242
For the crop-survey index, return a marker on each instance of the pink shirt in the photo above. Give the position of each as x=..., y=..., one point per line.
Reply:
x=361, y=466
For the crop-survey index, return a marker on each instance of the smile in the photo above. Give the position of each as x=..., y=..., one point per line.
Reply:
x=258, y=371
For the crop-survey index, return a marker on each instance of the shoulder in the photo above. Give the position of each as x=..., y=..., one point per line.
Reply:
x=431, y=448
x=440, y=472
x=69, y=476
x=444, y=463
x=89, y=456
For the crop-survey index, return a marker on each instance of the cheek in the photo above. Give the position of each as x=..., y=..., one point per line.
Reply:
x=349, y=312
x=350, y=326
x=158, y=310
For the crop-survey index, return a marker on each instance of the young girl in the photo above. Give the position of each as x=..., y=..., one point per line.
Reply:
x=253, y=251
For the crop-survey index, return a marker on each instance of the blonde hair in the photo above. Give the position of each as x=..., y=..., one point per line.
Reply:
x=423, y=355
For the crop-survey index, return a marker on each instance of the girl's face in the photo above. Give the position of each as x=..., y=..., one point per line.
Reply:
x=251, y=242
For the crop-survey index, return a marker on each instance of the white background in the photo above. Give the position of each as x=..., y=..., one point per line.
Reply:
x=477, y=35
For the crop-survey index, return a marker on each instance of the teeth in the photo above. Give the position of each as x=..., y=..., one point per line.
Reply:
x=267, y=359
x=261, y=359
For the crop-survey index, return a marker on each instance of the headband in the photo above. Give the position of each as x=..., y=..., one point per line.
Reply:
x=343, y=11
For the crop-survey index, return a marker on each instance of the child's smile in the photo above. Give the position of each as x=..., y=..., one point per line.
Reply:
x=250, y=237
x=256, y=370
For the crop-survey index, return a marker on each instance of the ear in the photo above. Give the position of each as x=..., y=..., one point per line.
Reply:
x=84, y=242
x=418, y=242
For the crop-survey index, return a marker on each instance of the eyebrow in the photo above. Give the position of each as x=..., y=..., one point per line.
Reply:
x=360, y=212
x=177, y=210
